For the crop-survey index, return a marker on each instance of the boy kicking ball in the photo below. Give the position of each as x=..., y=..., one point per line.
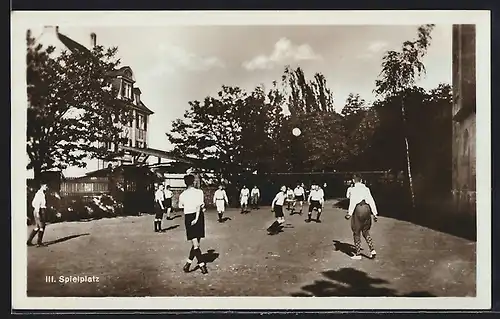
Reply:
x=277, y=208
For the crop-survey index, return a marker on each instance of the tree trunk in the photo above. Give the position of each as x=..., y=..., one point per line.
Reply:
x=37, y=173
x=408, y=161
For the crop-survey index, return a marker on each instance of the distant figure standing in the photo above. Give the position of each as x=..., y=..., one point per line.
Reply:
x=192, y=202
x=299, y=196
x=39, y=205
x=316, y=200
x=277, y=208
x=289, y=198
x=244, y=195
x=220, y=199
x=361, y=207
x=255, y=197
x=159, y=208
x=168, y=201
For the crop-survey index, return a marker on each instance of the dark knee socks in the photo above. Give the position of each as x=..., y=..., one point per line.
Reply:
x=40, y=236
x=32, y=235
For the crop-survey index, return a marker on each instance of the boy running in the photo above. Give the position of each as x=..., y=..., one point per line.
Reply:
x=361, y=207
x=192, y=202
x=277, y=208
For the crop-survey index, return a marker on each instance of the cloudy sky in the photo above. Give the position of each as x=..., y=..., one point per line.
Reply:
x=177, y=64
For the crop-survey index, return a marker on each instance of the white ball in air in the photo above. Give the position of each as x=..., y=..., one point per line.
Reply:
x=296, y=131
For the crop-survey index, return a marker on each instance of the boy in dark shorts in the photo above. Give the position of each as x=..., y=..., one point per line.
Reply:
x=192, y=201
x=159, y=208
x=277, y=208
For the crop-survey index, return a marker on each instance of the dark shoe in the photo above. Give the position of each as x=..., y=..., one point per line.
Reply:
x=29, y=243
x=186, y=267
x=308, y=220
x=318, y=220
x=204, y=269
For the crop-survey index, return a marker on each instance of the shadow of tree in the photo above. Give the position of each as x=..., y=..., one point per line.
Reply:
x=63, y=239
x=349, y=282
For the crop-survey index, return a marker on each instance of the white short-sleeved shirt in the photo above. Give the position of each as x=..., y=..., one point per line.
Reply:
x=255, y=191
x=245, y=192
x=316, y=195
x=220, y=194
x=191, y=200
x=359, y=193
x=159, y=196
x=168, y=193
x=279, y=199
x=39, y=201
x=299, y=191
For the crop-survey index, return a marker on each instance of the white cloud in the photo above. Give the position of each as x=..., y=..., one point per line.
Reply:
x=172, y=58
x=373, y=50
x=284, y=51
x=377, y=46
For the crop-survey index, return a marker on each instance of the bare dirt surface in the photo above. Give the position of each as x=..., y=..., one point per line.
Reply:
x=306, y=259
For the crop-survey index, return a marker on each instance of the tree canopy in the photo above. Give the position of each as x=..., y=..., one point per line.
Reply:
x=73, y=112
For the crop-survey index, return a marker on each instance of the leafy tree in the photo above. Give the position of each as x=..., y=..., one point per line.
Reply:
x=73, y=112
x=233, y=132
x=400, y=69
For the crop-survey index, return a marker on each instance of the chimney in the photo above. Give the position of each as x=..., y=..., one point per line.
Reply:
x=93, y=40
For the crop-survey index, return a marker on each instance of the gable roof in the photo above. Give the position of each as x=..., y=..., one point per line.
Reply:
x=125, y=71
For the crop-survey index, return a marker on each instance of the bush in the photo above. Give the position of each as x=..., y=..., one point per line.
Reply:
x=88, y=207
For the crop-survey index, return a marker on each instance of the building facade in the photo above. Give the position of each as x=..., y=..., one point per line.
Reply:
x=464, y=118
x=136, y=132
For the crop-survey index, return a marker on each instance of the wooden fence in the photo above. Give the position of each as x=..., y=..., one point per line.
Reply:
x=85, y=187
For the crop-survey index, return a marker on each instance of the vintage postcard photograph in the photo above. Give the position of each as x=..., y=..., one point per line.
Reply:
x=251, y=160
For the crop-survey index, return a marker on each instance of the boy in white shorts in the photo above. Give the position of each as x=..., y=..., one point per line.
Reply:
x=220, y=200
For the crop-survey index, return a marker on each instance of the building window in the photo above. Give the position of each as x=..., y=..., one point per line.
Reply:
x=127, y=90
x=129, y=142
x=141, y=121
x=137, y=99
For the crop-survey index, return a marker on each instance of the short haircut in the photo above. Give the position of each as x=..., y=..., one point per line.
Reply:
x=168, y=186
x=356, y=178
x=189, y=180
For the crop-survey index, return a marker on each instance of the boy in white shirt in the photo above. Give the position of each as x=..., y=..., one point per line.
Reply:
x=244, y=194
x=299, y=196
x=168, y=201
x=361, y=207
x=39, y=205
x=255, y=196
x=220, y=199
x=289, y=198
x=192, y=202
x=316, y=200
x=159, y=208
x=277, y=208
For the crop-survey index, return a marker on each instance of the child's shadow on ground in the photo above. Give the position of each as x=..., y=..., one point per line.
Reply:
x=345, y=248
x=210, y=256
x=170, y=228
x=225, y=219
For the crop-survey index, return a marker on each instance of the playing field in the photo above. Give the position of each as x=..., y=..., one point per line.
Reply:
x=304, y=260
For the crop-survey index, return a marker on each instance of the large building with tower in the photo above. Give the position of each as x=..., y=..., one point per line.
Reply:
x=464, y=118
